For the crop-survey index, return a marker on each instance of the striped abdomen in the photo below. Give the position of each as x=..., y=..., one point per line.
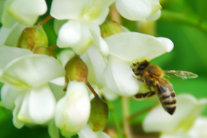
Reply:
x=166, y=95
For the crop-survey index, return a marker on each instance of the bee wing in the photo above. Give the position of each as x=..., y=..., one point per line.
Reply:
x=181, y=74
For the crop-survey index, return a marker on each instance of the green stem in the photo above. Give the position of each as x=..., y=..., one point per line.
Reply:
x=138, y=113
x=115, y=119
x=184, y=19
x=126, y=113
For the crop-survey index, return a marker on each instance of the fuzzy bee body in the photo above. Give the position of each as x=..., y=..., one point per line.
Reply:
x=166, y=95
x=152, y=76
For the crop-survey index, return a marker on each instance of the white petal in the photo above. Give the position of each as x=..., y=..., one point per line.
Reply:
x=58, y=24
x=86, y=132
x=23, y=114
x=96, y=66
x=188, y=108
x=8, y=96
x=131, y=46
x=199, y=128
x=41, y=105
x=32, y=71
x=27, y=12
x=67, y=9
x=109, y=95
x=99, y=42
x=75, y=34
x=86, y=10
x=154, y=16
x=119, y=78
x=137, y=9
x=17, y=123
x=65, y=55
x=8, y=54
x=73, y=110
x=59, y=81
x=7, y=19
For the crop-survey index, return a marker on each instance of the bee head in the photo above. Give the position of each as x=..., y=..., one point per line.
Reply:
x=142, y=65
x=139, y=67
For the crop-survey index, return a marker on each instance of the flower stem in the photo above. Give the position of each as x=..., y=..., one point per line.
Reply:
x=91, y=88
x=115, y=119
x=45, y=20
x=138, y=113
x=126, y=113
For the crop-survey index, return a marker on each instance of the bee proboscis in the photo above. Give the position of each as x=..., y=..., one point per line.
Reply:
x=153, y=77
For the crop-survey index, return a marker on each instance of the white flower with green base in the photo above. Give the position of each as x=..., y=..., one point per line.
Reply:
x=23, y=11
x=26, y=80
x=83, y=25
x=185, y=122
x=125, y=48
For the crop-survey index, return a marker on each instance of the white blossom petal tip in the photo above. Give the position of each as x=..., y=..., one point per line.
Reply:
x=139, y=9
x=130, y=46
x=27, y=12
x=167, y=43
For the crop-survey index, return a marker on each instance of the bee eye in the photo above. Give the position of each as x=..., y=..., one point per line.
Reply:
x=143, y=65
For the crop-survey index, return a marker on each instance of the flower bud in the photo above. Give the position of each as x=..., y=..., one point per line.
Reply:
x=99, y=114
x=33, y=37
x=76, y=69
x=111, y=28
x=44, y=50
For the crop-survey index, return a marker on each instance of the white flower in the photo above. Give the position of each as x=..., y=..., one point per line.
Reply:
x=23, y=11
x=73, y=110
x=139, y=9
x=82, y=28
x=183, y=123
x=115, y=72
x=197, y=131
x=26, y=77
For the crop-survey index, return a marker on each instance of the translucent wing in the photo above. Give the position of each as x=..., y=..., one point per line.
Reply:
x=181, y=74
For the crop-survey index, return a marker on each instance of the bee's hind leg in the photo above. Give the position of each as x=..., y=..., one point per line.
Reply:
x=144, y=95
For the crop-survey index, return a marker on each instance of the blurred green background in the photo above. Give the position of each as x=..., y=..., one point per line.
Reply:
x=185, y=23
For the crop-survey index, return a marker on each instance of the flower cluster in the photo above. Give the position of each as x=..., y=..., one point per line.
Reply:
x=61, y=86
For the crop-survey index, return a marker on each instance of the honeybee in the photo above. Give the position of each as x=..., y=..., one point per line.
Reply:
x=153, y=77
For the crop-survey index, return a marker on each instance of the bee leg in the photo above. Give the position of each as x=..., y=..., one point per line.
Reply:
x=144, y=95
x=137, y=78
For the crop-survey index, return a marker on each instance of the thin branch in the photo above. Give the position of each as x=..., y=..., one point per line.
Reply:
x=138, y=113
x=45, y=20
x=125, y=112
x=115, y=119
x=91, y=88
